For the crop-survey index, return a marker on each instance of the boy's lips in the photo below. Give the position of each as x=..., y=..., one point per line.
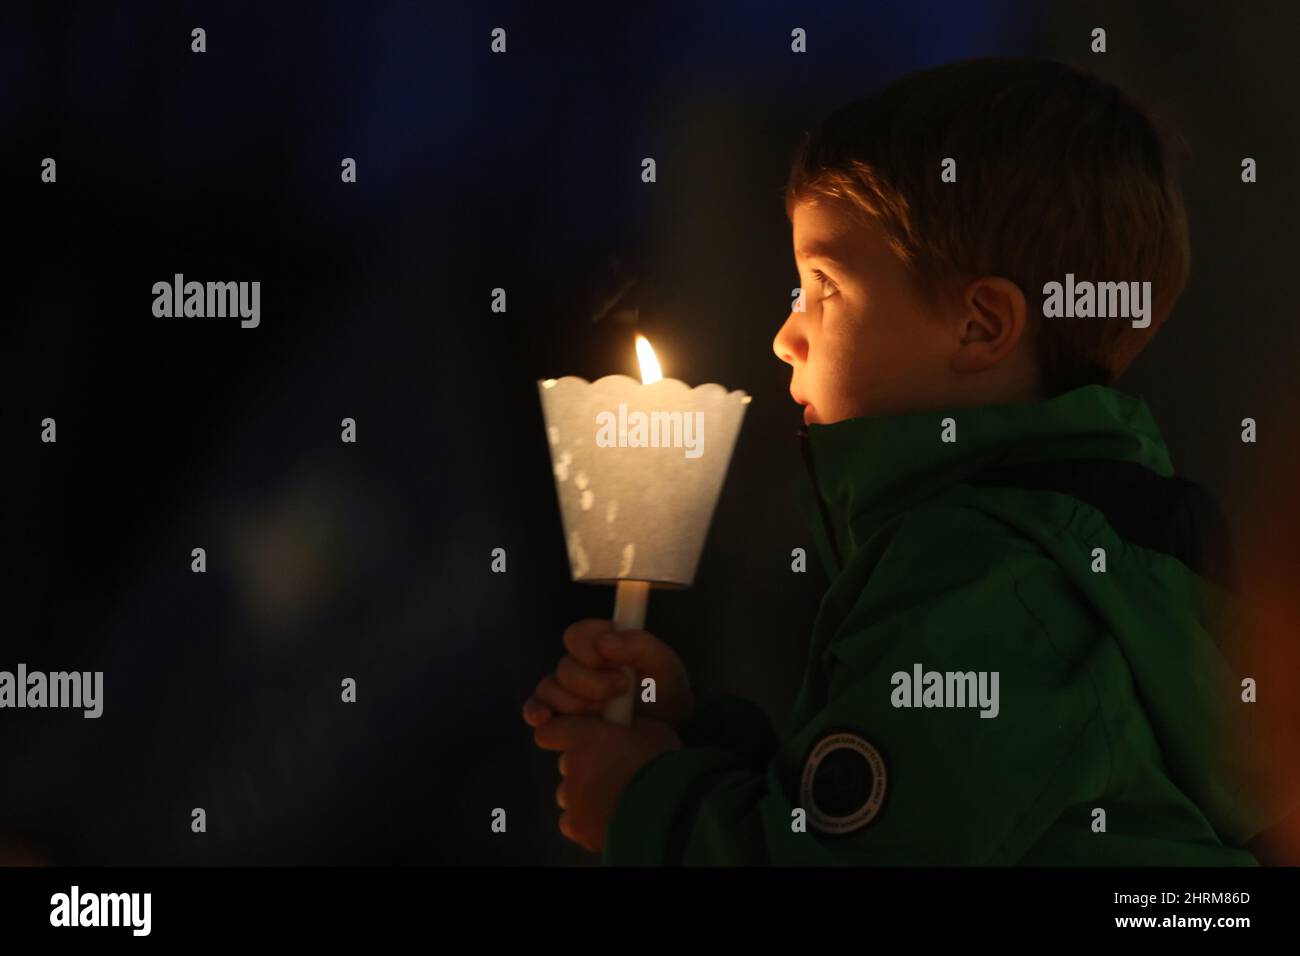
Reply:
x=807, y=407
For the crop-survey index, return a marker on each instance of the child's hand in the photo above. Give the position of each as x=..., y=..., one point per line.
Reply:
x=596, y=762
x=589, y=676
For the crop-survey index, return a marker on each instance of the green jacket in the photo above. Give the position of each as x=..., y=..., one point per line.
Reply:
x=1113, y=735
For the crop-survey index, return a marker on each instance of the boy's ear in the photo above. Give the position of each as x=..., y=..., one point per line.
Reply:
x=993, y=317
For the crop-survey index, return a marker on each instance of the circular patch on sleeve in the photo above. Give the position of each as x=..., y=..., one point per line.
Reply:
x=843, y=783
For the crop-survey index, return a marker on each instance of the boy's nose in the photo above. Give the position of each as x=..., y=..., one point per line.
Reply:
x=790, y=347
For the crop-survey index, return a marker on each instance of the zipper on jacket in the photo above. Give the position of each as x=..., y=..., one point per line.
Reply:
x=806, y=447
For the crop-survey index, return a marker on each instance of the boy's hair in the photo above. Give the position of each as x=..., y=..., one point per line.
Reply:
x=1057, y=171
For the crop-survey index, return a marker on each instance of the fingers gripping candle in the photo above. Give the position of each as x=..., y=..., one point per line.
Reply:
x=638, y=468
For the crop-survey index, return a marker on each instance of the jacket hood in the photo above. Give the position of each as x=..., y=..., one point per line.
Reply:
x=868, y=470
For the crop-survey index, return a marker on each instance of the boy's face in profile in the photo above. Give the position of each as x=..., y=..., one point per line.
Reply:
x=868, y=342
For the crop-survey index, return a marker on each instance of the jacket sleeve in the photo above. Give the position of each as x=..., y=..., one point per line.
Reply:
x=732, y=723
x=942, y=785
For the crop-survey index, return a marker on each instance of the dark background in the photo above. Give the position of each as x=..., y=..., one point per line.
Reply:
x=372, y=561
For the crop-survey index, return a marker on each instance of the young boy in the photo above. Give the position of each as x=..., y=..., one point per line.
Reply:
x=1018, y=659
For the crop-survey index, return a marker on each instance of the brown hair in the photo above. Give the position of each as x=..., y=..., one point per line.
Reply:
x=1058, y=171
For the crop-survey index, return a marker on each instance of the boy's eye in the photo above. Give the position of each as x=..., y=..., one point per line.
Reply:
x=827, y=286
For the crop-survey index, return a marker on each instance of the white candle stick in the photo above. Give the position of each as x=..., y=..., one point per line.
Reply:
x=637, y=481
x=629, y=615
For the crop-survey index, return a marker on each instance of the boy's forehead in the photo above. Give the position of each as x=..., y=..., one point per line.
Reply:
x=823, y=233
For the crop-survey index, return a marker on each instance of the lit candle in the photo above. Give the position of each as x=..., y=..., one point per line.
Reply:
x=630, y=597
x=638, y=468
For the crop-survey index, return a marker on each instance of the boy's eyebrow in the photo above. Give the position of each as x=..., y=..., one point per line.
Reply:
x=816, y=251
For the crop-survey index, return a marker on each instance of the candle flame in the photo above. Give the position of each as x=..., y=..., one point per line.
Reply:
x=650, y=371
